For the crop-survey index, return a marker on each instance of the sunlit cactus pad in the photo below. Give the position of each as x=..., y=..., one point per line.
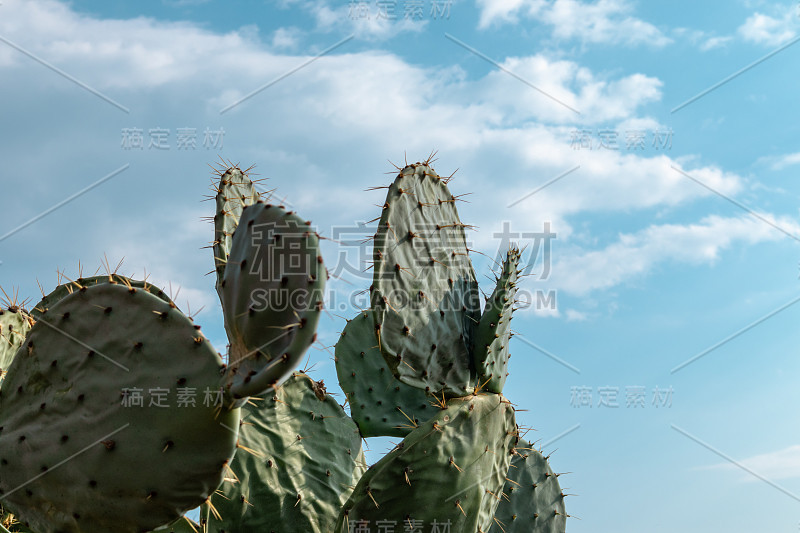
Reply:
x=424, y=293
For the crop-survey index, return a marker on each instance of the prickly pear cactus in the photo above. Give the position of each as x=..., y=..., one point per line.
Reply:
x=234, y=191
x=272, y=295
x=65, y=289
x=494, y=330
x=88, y=441
x=300, y=457
x=532, y=499
x=380, y=404
x=14, y=326
x=116, y=414
x=424, y=293
x=465, y=448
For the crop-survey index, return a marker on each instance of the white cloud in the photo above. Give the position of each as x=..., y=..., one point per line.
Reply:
x=604, y=21
x=636, y=254
x=322, y=135
x=783, y=161
x=781, y=464
x=715, y=42
x=770, y=30
x=286, y=38
x=494, y=11
x=567, y=87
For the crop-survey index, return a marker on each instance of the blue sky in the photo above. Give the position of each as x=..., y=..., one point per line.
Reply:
x=676, y=218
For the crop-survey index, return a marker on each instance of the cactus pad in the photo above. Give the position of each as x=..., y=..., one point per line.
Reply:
x=533, y=501
x=65, y=289
x=235, y=190
x=450, y=470
x=272, y=296
x=380, y=404
x=94, y=437
x=14, y=326
x=494, y=330
x=301, y=457
x=424, y=293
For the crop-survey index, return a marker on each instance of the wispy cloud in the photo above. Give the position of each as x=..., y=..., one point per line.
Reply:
x=780, y=162
x=606, y=21
x=771, y=30
x=780, y=464
x=635, y=254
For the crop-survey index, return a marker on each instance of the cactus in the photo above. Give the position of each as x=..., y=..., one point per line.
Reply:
x=271, y=305
x=76, y=456
x=493, y=334
x=65, y=289
x=277, y=453
x=533, y=501
x=467, y=443
x=14, y=326
x=424, y=292
x=234, y=191
x=380, y=404
x=285, y=485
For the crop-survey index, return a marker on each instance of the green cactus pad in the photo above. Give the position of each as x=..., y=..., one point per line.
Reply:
x=533, y=501
x=304, y=459
x=79, y=452
x=65, y=289
x=424, y=293
x=493, y=334
x=450, y=470
x=14, y=326
x=272, y=296
x=235, y=190
x=380, y=404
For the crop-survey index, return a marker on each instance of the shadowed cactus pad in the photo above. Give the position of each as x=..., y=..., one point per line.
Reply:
x=301, y=457
x=380, y=404
x=450, y=470
x=424, y=292
x=272, y=295
x=93, y=436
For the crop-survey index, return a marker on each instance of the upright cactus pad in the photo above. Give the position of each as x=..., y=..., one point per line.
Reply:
x=14, y=326
x=272, y=296
x=65, y=289
x=380, y=404
x=532, y=501
x=450, y=470
x=104, y=422
x=494, y=330
x=301, y=456
x=424, y=293
x=234, y=192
